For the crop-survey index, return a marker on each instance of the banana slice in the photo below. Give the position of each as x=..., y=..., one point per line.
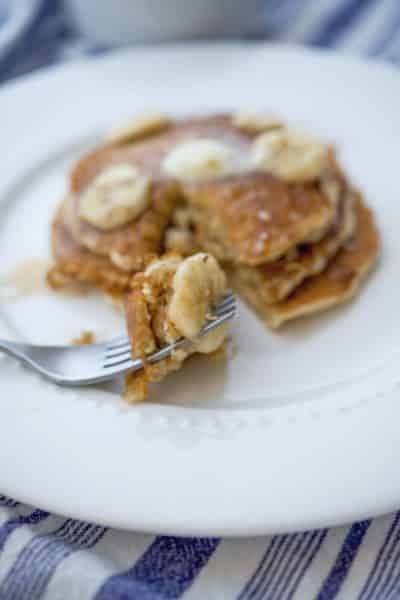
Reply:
x=253, y=122
x=197, y=286
x=116, y=197
x=290, y=154
x=138, y=128
x=181, y=240
x=182, y=217
x=161, y=270
x=200, y=160
x=213, y=340
x=332, y=188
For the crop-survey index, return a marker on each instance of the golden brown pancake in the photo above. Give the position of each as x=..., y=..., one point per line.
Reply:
x=130, y=245
x=275, y=281
x=252, y=218
x=337, y=284
x=76, y=265
x=147, y=154
x=257, y=218
x=151, y=326
x=277, y=239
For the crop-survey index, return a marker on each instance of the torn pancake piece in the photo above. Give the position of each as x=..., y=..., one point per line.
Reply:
x=173, y=298
x=336, y=285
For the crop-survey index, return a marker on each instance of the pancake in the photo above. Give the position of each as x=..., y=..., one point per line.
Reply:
x=149, y=153
x=256, y=218
x=76, y=265
x=171, y=300
x=275, y=281
x=278, y=225
x=336, y=285
x=250, y=216
x=129, y=246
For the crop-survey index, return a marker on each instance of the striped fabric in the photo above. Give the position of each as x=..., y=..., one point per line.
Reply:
x=45, y=556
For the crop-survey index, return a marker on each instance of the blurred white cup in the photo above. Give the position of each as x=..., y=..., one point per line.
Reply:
x=115, y=22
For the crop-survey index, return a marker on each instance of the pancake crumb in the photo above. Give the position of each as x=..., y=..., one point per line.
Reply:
x=85, y=339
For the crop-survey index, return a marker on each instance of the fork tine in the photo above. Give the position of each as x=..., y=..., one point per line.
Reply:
x=116, y=360
x=226, y=305
x=222, y=319
x=166, y=351
x=226, y=299
x=121, y=346
x=111, y=352
x=121, y=359
x=117, y=343
x=121, y=362
x=129, y=364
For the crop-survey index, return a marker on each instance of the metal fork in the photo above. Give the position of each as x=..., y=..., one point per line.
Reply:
x=86, y=365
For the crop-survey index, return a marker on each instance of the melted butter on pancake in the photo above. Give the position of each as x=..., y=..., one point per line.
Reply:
x=256, y=122
x=201, y=160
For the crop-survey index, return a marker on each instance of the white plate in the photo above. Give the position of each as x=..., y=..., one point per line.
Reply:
x=299, y=429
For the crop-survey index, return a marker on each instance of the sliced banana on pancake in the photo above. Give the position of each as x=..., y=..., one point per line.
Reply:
x=138, y=128
x=117, y=196
x=290, y=154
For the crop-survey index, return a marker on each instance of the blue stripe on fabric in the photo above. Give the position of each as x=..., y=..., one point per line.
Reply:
x=30, y=551
x=165, y=571
x=374, y=573
x=391, y=32
x=37, y=562
x=278, y=17
x=273, y=554
x=40, y=43
x=282, y=579
x=260, y=567
x=391, y=581
x=316, y=548
x=334, y=581
x=282, y=10
x=12, y=524
x=271, y=575
x=86, y=540
x=277, y=5
x=342, y=18
x=272, y=580
x=8, y=502
x=372, y=586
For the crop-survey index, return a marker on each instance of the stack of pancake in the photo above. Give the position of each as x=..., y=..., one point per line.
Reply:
x=271, y=203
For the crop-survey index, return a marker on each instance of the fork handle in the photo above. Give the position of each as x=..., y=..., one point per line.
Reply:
x=13, y=349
